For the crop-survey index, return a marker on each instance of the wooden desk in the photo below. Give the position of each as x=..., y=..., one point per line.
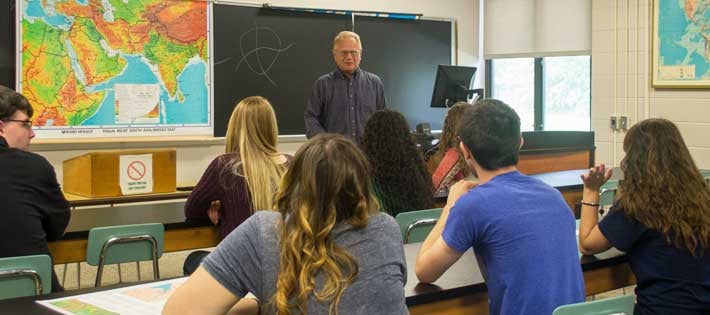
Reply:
x=461, y=290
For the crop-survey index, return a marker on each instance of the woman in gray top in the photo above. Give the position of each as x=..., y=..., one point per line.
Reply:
x=326, y=251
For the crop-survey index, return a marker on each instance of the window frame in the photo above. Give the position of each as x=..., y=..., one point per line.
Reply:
x=538, y=89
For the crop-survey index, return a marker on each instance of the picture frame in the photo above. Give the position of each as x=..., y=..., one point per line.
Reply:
x=680, y=49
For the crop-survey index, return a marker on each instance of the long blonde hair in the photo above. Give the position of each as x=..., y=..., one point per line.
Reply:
x=326, y=184
x=663, y=188
x=253, y=134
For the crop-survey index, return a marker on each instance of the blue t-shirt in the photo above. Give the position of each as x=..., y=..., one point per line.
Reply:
x=669, y=279
x=524, y=234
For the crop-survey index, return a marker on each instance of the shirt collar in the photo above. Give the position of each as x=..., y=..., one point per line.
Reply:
x=340, y=74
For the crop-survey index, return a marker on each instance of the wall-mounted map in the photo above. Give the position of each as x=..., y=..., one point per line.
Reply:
x=681, y=43
x=113, y=68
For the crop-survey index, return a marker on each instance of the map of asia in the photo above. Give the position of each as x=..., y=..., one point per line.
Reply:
x=114, y=68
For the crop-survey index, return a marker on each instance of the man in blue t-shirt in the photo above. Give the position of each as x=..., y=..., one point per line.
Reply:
x=521, y=229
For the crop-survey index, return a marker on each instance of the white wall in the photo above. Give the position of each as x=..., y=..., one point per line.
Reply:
x=194, y=156
x=621, y=82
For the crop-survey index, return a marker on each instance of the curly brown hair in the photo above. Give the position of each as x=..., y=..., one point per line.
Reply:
x=662, y=187
x=398, y=170
x=449, y=135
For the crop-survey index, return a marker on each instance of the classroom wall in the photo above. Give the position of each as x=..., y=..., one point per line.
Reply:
x=621, y=83
x=194, y=156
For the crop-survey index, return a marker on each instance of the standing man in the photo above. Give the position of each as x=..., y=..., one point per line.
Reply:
x=343, y=100
x=33, y=209
x=520, y=228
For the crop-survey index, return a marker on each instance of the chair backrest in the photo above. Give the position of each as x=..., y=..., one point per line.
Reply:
x=416, y=225
x=620, y=305
x=25, y=276
x=124, y=243
x=607, y=193
x=706, y=175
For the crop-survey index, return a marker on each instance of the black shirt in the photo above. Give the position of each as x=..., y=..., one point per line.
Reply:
x=33, y=209
x=669, y=279
x=342, y=105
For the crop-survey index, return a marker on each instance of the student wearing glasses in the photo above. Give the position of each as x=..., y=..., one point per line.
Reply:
x=343, y=100
x=32, y=206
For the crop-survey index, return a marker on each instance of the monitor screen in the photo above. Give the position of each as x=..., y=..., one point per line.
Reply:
x=453, y=84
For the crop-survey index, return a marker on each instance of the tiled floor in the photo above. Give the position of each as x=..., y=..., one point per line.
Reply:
x=170, y=265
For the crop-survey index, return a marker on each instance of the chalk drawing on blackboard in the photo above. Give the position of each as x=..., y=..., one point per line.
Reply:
x=254, y=46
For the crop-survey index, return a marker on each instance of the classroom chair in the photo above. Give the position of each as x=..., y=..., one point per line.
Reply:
x=25, y=276
x=620, y=305
x=416, y=225
x=125, y=243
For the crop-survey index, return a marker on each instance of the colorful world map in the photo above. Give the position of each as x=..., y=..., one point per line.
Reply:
x=116, y=67
x=683, y=40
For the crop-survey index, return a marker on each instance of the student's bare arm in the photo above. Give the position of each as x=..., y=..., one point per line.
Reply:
x=591, y=239
x=435, y=256
x=200, y=294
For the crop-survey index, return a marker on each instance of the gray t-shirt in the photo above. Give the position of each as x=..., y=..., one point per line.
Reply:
x=248, y=261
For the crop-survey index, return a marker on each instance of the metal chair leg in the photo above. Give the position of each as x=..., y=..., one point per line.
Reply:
x=138, y=269
x=64, y=274
x=78, y=275
x=120, y=278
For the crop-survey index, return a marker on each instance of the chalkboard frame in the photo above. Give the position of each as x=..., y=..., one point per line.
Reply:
x=452, y=57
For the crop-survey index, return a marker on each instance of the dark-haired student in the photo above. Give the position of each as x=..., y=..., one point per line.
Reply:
x=447, y=165
x=661, y=219
x=399, y=175
x=32, y=206
x=520, y=228
x=328, y=250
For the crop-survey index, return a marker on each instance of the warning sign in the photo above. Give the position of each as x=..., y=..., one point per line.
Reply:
x=136, y=174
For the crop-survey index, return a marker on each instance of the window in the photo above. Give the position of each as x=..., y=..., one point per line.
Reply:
x=550, y=93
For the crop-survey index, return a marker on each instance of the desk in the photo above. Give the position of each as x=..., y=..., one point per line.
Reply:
x=461, y=290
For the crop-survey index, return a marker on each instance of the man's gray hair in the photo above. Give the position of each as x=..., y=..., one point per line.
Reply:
x=347, y=34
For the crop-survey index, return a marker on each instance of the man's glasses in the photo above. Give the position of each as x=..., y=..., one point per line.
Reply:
x=345, y=53
x=25, y=123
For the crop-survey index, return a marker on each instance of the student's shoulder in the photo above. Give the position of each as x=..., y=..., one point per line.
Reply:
x=32, y=161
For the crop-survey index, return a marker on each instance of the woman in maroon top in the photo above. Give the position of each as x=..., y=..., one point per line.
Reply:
x=244, y=179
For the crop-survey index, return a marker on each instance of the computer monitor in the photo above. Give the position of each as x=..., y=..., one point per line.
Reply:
x=453, y=84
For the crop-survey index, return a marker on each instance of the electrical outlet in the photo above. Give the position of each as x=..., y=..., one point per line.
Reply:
x=613, y=123
x=623, y=122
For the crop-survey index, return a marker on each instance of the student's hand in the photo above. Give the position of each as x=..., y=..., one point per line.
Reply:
x=596, y=177
x=214, y=210
x=457, y=190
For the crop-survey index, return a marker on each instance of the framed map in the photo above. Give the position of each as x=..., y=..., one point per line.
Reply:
x=115, y=68
x=681, y=43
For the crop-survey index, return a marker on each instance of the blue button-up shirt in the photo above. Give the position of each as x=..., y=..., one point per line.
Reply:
x=342, y=105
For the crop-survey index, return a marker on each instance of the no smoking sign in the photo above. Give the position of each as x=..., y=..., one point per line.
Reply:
x=136, y=174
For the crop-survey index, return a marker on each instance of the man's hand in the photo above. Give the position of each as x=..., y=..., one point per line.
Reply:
x=214, y=211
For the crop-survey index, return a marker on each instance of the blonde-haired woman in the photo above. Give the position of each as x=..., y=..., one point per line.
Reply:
x=661, y=220
x=327, y=251
x=243, y=180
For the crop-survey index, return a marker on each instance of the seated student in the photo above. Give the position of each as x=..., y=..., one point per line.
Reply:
x=447, y=165
x=244, y=179
x=521, y=229
x=399, y=176
x=327, y=249
x=661, y=220
x=32, y=206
